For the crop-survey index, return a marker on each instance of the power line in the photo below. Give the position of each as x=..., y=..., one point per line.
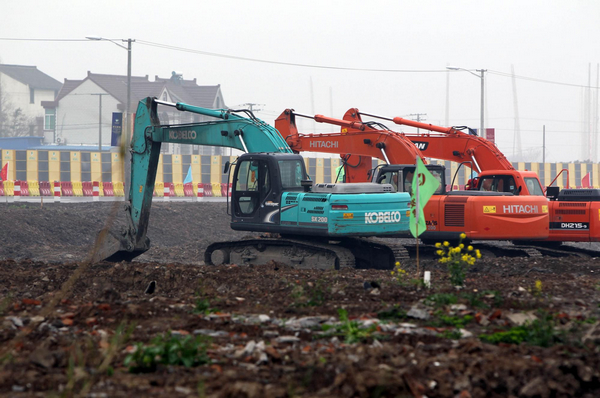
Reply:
x=220, y=55
x=16, y=39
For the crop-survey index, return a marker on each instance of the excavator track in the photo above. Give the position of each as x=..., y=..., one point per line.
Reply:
x=298, y=253
x=365, y=253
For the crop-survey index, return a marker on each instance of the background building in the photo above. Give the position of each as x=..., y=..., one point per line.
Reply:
x=22, y=91
x=83, y=110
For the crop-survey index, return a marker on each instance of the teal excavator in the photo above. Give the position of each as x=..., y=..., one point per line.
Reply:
x=306, y=225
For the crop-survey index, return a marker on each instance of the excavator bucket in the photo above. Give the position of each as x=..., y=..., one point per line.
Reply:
x=115, y=242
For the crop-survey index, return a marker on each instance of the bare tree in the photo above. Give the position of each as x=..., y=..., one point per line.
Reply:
x=13, y=122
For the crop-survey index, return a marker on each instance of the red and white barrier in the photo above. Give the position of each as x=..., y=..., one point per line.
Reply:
x=17, y=191
x=167, y=192
x=200, y=191
x=96, y=191
x=56, y=191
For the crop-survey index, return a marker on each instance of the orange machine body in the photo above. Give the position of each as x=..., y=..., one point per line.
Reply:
x=480, y=215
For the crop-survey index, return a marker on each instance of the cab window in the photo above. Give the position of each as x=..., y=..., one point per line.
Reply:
x=533, y=186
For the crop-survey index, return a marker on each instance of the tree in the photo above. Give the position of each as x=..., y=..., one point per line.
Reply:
x=13, y=122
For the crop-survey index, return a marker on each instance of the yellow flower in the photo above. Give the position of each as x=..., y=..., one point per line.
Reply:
x=461, y=246
x=470, y=248
x=446, y=243
x=438, y=245
x=478, y=253
x=462, y=236
x=440, y=252
x=397, y=263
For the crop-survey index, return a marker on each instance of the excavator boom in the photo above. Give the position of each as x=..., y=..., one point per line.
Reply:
x=228, y=130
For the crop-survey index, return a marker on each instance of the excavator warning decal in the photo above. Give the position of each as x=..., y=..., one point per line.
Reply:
x=489, y=209
x=544, y=209
x=348, y=216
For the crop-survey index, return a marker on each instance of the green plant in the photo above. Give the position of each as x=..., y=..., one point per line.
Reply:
x=203, y=306
x=393, y=314
x=351, y=329
x=536, y=290
x=457, y=261
x=168, y=350
x=399, y=274
x=451, y=320
x=475, y=300
x=540, y=332
x=439, y=300
x=309, y=295
x=452, y=334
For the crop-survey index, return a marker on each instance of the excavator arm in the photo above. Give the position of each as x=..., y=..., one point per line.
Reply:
x=229, y=129
x=449, y=143
x=357, y=139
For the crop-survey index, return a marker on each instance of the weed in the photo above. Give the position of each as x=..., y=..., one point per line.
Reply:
x=457, y=262
x=452, y=334
x=393, y=314
x=309, y=295
x=495, y=295
x=474, y=300
x=5, y=303
x=439, y=300
x=399, y=274
x=451, y=320
x=203, y=306
x=168, y=350
x=536, y=290
x=351, y=329
x=541, y=332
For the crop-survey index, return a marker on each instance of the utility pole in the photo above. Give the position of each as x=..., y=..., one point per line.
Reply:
x=251, y=105
x=418, y=115
x=100, y=120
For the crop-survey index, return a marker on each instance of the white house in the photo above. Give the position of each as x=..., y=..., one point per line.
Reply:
x=84, y=108
x=26, y=87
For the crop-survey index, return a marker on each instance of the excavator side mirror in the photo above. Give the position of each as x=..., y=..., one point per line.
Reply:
x=306, y=184
x=226, y=167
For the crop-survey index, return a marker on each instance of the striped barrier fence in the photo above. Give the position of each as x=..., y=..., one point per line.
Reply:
x=224, y=189
x=230, y=188
x=86, y=188
x=159, y=189
x=208, y=190
x=45, y=188
x=108, y=189
x=96, y=191
x=24, y=188
x=9, y=188
x=1, y=188
x=17, y=191
x=200, y=189
x=77, y=188
x=188, y=189
x=66, y=188
x=166, y=192
x=216, y=189
x=118, y=188
x=101, y=188
x=57, y=191
x=178, y=188
x=34, y=188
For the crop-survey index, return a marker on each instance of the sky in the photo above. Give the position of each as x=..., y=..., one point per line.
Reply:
x=323, y=57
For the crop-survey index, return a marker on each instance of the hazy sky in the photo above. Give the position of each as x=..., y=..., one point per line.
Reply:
x=550, y=40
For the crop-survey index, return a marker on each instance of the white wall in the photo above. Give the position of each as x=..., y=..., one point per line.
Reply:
x=77, y=115
x=18, y=95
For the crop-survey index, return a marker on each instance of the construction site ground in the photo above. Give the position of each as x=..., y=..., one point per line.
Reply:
x=520, y=327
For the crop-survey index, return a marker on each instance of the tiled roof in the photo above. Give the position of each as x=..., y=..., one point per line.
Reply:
x=31, y=76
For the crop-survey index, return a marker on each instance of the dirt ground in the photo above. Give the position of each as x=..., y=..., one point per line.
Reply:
x=521, y=327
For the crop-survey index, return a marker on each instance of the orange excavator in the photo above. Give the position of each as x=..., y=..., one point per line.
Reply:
x=574, y=214
x=481, y=215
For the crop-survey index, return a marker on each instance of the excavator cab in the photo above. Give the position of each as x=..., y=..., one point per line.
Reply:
x=404, y=173
x=259, y=180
